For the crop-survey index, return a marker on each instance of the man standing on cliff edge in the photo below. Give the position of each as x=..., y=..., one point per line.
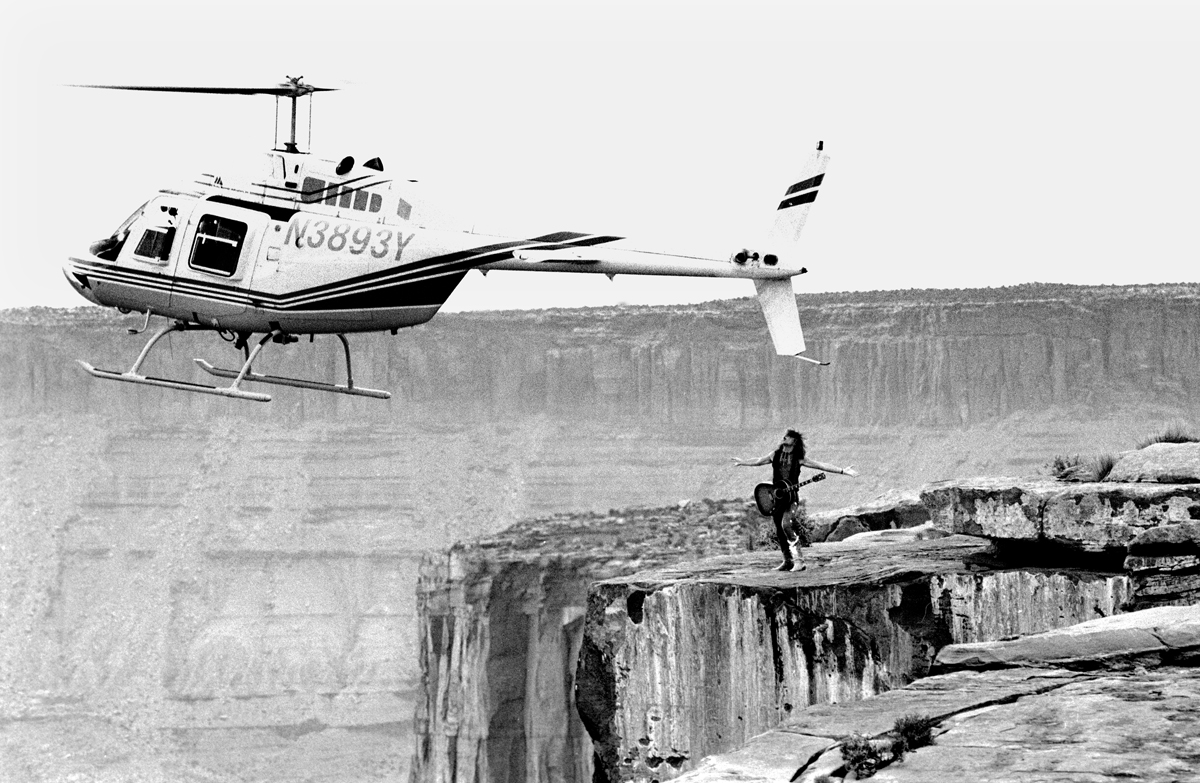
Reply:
x=786, y=462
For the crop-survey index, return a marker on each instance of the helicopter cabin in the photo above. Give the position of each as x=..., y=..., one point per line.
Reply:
x=197, y=253
x=334, y=188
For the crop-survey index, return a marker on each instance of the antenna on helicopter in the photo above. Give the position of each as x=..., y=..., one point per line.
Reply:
x=294, y=87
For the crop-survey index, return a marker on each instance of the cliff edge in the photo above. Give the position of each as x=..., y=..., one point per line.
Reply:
x=695, y=659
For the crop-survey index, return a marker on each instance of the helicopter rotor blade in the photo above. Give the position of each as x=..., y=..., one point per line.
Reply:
x=281, y=90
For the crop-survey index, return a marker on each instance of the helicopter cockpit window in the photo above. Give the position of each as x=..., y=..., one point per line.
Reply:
x=110, y=247
x=218, y=245
x=127, y=222
x=155, y=243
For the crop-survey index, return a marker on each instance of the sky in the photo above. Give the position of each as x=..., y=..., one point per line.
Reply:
x=972, y=144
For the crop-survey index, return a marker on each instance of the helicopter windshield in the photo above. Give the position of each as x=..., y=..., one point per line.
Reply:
x=110, y=247
x=125, y=224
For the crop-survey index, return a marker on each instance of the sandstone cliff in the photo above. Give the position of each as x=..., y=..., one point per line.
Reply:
x=696, y=659
x=146, y=531
x=687, y=661
x=651, y=401
x=955, y=358
x=501, y=621
x=1109, y=699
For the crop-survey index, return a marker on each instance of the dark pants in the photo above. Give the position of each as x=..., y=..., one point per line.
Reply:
x=782, y=507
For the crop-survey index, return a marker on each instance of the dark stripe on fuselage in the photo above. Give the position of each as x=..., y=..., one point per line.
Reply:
x=410, y=293
x=558, y=236
x=811, y=182
x=431, y=291
x=803, y=198
x=458, y=260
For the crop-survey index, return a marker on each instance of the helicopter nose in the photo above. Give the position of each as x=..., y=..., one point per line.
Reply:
x=79, y=281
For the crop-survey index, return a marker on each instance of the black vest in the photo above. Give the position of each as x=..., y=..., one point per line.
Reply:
x=793, y=475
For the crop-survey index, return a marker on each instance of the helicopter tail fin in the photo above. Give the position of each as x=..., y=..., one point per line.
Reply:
x=778, y=301
x=777, y=297
x=792, y=210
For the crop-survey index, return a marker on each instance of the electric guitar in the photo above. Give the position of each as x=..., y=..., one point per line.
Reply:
x=767, y=495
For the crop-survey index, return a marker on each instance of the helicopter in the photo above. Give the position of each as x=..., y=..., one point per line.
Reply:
x=309, y=246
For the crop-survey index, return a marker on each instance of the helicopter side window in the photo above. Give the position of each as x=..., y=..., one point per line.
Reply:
x=155, y=243
x=218, y=245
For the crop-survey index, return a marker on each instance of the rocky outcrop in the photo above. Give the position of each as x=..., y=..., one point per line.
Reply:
x=501, y=622
x=1162, y=636
x=1164, y=563
x=896, y=509
x=1125, y=708
x=1161, y=463
x=689, y=660
x=1150, y=526
x=1018, y=557
x=1091, y=517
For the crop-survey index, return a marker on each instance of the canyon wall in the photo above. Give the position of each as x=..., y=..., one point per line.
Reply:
x=689, y=660
x=937, y=358
x=148, y=531
x=696, y=658
x=501, y=622
x=633, y=405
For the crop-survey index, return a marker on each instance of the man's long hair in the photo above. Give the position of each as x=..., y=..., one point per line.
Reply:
x=799, y=450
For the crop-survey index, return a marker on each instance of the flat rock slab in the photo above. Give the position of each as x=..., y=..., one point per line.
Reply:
x=1163, y=463
x=1004, y=726
x=1133, y=726
x=1030, y=722
x=826, y=564
x=1162, y=634
x=891, y=510
x=936, y=697
x=810, y=740
x=1092, y=516
x=1167, y=541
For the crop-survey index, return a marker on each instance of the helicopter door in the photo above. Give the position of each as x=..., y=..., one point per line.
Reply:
x=216, y=260
x=146, y=252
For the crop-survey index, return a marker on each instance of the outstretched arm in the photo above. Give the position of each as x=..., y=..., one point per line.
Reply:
x=750, y=463
x=812, y=463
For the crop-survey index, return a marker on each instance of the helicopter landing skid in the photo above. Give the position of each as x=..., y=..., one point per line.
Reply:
x=238, y=376
x=245, y=375
x=133, y=376
x=299, y=383
x=167, y=383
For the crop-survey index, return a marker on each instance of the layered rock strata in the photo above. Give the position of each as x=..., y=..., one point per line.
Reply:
x=649, y=402
x=684, y=661
x=680, y=660
x=500, y=626
x=1090, y=517
x=1164, y=563
x=138, y=523
x=1108, y=699
x=934, y=357
x=1147, y=514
